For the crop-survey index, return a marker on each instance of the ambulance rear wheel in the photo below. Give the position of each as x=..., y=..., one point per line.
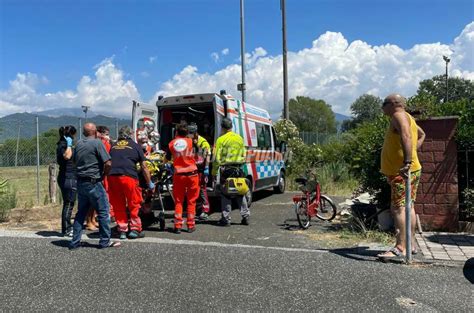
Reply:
x=280, y=188
x=249, y=195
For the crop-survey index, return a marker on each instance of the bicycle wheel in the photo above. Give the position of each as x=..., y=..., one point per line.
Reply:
x=327, y=209
x=302, y=214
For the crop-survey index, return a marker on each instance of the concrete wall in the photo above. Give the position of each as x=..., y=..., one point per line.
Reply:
x=437, y=200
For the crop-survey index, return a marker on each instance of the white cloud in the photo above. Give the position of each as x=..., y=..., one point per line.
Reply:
x=152, y=59
x=107, y=92
x=145, y=74
x=333, y=69
x=225, y=51
x=215, y=57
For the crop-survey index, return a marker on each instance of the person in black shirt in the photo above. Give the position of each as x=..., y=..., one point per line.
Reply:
x=124, y=189
x=67, y=176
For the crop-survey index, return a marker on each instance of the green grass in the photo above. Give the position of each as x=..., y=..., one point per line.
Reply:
x=23, y=180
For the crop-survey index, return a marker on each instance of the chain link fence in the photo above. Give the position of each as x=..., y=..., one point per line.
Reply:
x=318, y=138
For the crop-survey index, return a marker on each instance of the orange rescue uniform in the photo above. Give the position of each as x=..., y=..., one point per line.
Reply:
x=185, y=180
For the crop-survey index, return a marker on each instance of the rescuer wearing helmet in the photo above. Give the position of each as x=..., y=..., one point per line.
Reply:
x=185, y=178
x=124, y=186
x=230, y=155
x=202, y=157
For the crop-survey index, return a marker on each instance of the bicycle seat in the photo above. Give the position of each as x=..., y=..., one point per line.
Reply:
x=301, y=180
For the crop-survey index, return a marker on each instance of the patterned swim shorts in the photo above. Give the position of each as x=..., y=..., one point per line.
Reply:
x=397, y=186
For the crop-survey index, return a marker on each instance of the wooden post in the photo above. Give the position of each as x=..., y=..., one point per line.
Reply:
x=52, y=182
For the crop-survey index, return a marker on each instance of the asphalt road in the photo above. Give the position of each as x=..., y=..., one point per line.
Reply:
x=262, y=267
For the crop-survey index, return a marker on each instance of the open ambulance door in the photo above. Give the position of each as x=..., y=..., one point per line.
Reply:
x=144, y=118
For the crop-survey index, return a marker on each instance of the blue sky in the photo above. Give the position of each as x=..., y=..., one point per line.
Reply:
x=151, y=41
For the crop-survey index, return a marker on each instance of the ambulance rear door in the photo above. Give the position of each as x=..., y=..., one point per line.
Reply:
x=142, y=113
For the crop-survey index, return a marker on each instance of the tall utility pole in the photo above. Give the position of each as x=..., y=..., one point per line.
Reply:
x=241, y=87
x=446, y=59
x=286, y=112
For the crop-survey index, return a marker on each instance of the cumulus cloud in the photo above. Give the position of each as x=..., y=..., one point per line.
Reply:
x=216, y=56
x=107, y=92
x=334, y=70
x=152, y=59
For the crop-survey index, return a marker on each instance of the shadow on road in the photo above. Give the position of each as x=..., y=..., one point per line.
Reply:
x=65, y=244
x=49, y=233
x=357, y=253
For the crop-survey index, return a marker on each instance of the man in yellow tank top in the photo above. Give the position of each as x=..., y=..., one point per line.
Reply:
x=399, y=156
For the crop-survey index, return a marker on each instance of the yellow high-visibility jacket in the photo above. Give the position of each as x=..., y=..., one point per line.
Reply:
x=229, y=149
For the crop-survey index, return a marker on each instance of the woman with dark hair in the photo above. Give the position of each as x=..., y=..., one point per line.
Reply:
x=67, y=180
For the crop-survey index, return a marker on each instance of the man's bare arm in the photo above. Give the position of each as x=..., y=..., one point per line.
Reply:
x=402, y=124
x=421, y=137
x=107, y=167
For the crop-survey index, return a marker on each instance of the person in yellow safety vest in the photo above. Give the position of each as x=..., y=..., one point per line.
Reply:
x=230, y=155
x=203, y=157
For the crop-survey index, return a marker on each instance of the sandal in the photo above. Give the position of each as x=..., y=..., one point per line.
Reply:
x=112, y=244
x=396, y=253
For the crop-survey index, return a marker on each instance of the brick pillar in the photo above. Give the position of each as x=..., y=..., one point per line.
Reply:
x=437, y=200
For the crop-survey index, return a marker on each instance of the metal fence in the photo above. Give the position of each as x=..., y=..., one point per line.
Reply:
x=318, y=138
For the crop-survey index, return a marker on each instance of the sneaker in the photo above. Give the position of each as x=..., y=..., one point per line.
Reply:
x=177, y=230
x=245, y=221
x=203, y=217
x=135, y=234
x=68, y=234
x=123, y=235
x=223, y=223
x=191, y=230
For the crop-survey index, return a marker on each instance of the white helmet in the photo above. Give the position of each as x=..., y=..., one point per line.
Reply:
x=154, y=136
x=149, y=125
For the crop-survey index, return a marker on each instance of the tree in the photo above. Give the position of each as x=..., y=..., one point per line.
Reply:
x=312, y=115
x=458, y=88
x=366, y=108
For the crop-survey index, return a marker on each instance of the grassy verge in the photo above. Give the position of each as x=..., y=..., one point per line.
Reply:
x=346, y=233
x=28, y=214
x=23, y=180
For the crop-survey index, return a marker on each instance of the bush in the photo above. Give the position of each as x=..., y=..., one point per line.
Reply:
x=7, y=200
x=468, y=195
x=365, y=148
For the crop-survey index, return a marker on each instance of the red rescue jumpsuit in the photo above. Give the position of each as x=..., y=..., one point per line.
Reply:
x=108, y=146
x=185, y=180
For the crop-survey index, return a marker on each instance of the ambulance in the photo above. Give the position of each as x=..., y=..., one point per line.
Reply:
x=265, y=166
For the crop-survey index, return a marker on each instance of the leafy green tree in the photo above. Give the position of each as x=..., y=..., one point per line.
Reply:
x=312, y=115
x=366, y=108
x=458, y=88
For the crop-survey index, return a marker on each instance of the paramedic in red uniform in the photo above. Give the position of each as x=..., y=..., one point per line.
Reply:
x=185, y=178
x=124, y=186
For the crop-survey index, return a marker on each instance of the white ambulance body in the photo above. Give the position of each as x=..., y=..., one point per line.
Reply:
x=265, y=166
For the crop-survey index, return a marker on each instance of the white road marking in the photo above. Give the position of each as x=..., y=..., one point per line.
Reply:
x=34, y=235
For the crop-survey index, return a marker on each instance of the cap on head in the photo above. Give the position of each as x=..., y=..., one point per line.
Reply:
x=226, y=123
x=192, y=128
x=125, y=132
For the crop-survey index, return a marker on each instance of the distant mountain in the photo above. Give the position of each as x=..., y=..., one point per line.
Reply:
x=65, y=112
x=27, y=122
x=341, y=117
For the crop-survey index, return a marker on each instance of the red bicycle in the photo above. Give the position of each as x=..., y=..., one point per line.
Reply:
x=311, y=203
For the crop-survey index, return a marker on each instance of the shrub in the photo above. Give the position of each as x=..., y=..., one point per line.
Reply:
x=365, y=148
x=7, y=200
x=468, y=195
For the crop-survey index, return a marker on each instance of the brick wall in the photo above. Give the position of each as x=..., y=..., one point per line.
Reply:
x=437, y=200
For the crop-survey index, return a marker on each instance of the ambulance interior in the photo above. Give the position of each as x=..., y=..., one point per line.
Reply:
x=201, y=114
